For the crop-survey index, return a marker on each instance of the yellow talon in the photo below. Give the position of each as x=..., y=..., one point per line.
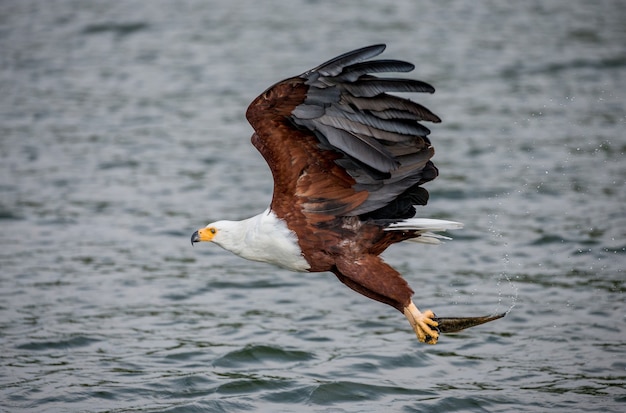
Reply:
x=422, y=323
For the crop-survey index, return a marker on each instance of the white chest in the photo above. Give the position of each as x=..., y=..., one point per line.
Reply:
x=267, y=238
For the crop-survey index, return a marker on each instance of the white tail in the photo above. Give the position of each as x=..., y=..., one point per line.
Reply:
x=424, y=226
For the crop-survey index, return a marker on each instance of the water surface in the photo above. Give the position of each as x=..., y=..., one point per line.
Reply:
x=122, y=131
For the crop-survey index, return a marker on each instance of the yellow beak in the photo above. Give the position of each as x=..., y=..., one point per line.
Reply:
x=203, y=234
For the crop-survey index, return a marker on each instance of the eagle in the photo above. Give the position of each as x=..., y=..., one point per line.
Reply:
x=348, y=158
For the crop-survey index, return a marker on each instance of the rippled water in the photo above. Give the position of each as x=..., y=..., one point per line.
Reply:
x=122, y=131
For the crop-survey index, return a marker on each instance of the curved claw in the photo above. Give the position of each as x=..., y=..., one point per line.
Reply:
x=424, y=324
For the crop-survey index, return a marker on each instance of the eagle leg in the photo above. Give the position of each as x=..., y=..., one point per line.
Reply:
x=423, y=324
x=375, y=279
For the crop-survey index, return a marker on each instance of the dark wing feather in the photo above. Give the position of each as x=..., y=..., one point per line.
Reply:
x=385, y=103
x=372, y=86
x=336, y=65
x=353, y=72
x=341, y=144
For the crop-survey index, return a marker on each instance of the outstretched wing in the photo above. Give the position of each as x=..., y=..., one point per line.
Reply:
x=339, y=144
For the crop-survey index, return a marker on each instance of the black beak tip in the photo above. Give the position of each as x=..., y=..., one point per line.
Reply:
x=195, y=238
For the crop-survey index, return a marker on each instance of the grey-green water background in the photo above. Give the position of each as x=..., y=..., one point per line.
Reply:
x=122, y=130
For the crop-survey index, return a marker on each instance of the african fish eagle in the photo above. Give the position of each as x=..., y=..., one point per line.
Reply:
x=348, y=160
